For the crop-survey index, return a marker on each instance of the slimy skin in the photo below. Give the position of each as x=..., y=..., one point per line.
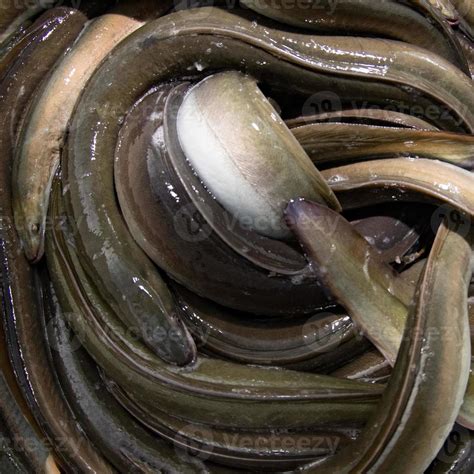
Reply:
x=100, y=278
x=41, y=142
x=165, y=223
x=431, y=372
x=431, y=180
x=375, y=296
x=54, y=33
x=331, y=143
x=384, y=18
x=39, y=149
x=212, y=392
x=120, y=438
x=388, y=118
x=177, y=46
x=244, y=153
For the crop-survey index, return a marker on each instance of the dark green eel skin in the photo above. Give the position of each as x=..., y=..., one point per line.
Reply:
x=9, y=459
x=362, y=116
x=110, y=256
x=138, y=397
x=239, y=449
x=232, y=336
x=301, y=342
x=21, y=437
x=19, y=444
x=294, y=342
x=211, y=392
x=431, y=373
x=119, y=437
x=202, y=261
x=54, y=33
x=384, y=18
x=412, y=179
x=328, y=144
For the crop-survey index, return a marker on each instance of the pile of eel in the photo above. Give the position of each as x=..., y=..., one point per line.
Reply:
x=235, y=236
